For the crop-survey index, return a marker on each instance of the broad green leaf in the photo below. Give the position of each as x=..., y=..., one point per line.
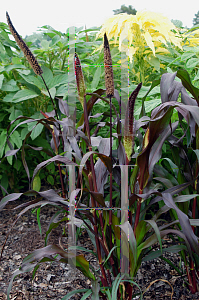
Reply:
x=32, y=80
x=197, y=76
x=50, y=179
x=16, y=138
x=24, y=132
x=15, y=114
x=23, y=95
x=58, y=80
x=36, y=185
x=45, y=44
x=96, y=78
x=187, y=55
x=15, y=66
x=192, y=63
x=37, y=131
x=55, y=40
x=47, y=75
x=8, y=97
x=10, y=86
x=154, y=62
x=52, y=92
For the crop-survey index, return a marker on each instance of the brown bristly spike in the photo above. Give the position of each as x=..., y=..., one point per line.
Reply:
x=129, y=122
x=79, y=79
x=108, y=69
x=22, y=45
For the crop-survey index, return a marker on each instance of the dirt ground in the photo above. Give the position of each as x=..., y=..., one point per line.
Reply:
x=54, y=281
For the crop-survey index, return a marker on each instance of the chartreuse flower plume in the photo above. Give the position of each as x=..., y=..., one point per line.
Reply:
x=108, y=69
x=129, y=122
x=22, y=45
x=146, y=32
x=79, y=79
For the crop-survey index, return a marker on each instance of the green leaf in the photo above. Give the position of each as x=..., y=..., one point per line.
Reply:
x=9, y=158
x=38, y=220
x=15, y=113
x=45, y=44
x=69, y=295
x=197, y=153
x=50, y=179
x=58, y=80
x=10, y=86
x=37, y=131
x=8, y=97
x=1, y=80
x=3, y=136
x=55, y=39
x=192, y=63
x=157, y=253
x=185, y=78
x=154, y=62
x=16, y=139
x=23, y=95
x=36, y=185
x=15, y=66
x=96, y=78
x=157, y=231
x=187, y=55
x=140, y=231
x=24, y=133
x=52, y=92
x=47, y=75
x=115, y=286
x=32, y=80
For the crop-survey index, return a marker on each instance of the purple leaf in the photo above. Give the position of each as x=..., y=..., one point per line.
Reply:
x=8, y=198
x=184, y=222
x=57, y=158
x=63, y=106
x=11, y=152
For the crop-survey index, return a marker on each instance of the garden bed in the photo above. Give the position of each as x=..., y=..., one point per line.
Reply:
x=56, y=280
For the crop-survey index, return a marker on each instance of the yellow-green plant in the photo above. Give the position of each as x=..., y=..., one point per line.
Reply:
x=147, y=33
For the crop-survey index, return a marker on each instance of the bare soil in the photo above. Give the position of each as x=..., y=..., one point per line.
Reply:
x=54, y=280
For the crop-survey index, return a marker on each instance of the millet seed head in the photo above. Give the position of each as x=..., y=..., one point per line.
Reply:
x=108, y=69
x=22, y=45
